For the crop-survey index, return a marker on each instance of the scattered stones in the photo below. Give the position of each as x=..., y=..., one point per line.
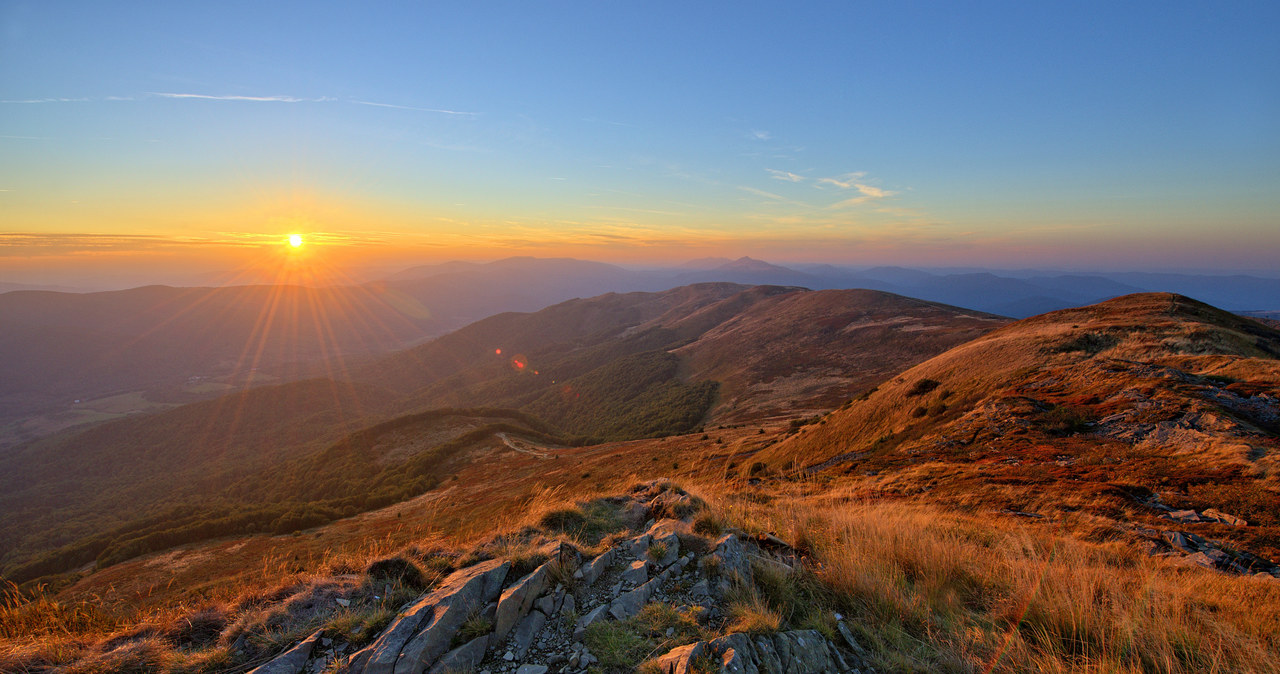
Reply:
x=1223, y=518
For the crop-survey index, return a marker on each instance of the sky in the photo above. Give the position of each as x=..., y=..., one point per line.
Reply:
x=175, y=137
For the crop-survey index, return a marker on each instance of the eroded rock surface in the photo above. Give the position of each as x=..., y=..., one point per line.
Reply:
x=538, y=622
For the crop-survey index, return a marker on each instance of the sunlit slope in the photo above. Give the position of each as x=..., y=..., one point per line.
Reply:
x=612, y=367
x=813, y=350
x=369, y=468
x=1204, y=378
x=770, y=349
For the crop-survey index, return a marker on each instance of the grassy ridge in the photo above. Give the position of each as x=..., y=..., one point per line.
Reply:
x=341, y=481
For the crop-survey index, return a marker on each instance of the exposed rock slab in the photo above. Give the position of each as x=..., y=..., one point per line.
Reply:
x=463, y=658
x=784, y=652
x=422, y=632
x=293, y=660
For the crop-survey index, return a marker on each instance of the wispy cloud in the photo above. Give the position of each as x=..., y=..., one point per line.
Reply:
x=762, y=193
x=785, y=175
x=759, y=134
x=176, y=95
x=853, y=181
x=442, y=111
x=845, y=181
x=32, y=101
x=253, y=99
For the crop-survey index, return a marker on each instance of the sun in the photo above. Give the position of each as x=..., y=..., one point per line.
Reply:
x=295, y=240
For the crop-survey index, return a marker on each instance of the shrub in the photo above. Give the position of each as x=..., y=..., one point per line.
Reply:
x=398, y=570
x=197, y=629
x=923, y=386
x=708, y=524
x=563, y=519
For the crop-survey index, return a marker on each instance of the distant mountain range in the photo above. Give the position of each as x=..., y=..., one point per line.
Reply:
x=61, y=347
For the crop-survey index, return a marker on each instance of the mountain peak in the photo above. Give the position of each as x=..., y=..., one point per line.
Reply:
x=745, y=263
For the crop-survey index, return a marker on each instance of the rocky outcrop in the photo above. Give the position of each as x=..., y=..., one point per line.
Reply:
x=1195, y=550
x=1209, y=515
x=423, y=631
x=796, y=651
x=538, y=623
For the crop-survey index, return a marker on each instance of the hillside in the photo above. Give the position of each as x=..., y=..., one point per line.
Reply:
x=612, y=367
x=1125, y=410
x=170, y=345
x=770, y=349
x=811, y=351
x=1090, y=489
x=367, y=469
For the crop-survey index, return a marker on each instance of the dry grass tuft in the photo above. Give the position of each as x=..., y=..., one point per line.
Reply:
x=940, y=590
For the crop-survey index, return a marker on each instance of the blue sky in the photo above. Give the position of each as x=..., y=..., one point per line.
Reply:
x=1087, y=135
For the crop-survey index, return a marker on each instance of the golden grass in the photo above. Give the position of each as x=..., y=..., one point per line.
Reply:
x=941, y=590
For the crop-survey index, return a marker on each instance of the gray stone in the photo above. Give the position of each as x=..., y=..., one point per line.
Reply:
x=526, y=631
x=680, y=660
x=767, y=659
x=570, y=604
x=591, y=571
x=731, y=557
x=700, y=589
x=1224, y=518
x=637, y=546
x=1182, y=515
x=630, y=603
x=532, y=669
x=671, y=550
x=518, y=599
x=422, y=631
x=637, y=573
x=736, y=653
x=463, y=658
x=293, y=660
x=668, y=527
x=848, y=638
x=546, y=604
x=1178, y=540
x=597, y=613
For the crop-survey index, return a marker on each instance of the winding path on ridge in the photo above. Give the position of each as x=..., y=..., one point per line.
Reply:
x=524, y=448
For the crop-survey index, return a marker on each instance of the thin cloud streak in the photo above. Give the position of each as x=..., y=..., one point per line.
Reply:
x=252, y=99
x=785, y=175
x=410, y=107
x=173, y=95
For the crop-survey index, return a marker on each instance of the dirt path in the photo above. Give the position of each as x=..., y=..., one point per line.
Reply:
x=525, y=448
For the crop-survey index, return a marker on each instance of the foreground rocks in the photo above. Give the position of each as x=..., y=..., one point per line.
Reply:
x=484, y=618
x=797, y=651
